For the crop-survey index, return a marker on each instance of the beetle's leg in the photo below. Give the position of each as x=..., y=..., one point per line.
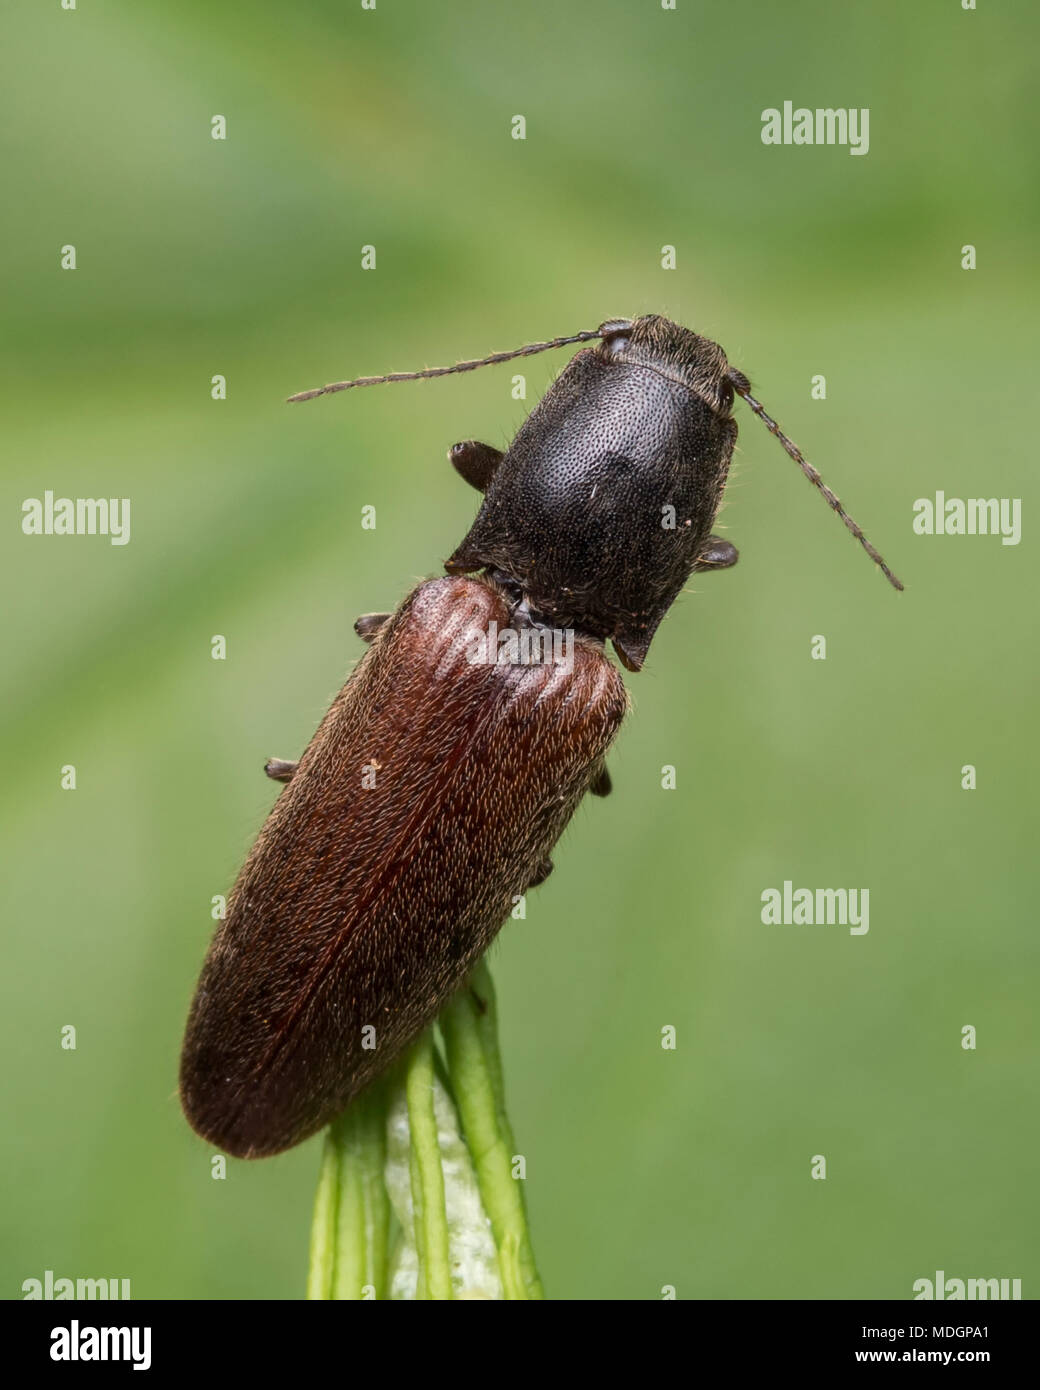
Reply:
x=279, y=770
x=542, y=872
x=368, y=625
x=716, y=555
x=601, y=784
x=475, y=462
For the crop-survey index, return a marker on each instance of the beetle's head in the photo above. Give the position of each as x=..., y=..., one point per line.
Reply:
x=672, y=352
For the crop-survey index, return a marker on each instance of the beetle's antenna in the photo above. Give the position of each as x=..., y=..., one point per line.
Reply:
x=742, y=386
x=584, y=337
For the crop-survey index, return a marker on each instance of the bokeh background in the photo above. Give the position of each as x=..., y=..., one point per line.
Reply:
x=242, y=257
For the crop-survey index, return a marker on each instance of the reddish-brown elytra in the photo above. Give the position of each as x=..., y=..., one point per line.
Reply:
x=434, y=790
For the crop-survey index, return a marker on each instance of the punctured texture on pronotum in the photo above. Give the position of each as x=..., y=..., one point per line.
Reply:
x=576, y=512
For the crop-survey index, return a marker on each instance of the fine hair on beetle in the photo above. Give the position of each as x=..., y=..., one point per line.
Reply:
x=434, y=791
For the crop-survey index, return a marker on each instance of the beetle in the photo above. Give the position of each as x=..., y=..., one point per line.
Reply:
x=439, y=781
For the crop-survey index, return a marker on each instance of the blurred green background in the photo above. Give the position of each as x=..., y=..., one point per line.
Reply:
x=242, y=257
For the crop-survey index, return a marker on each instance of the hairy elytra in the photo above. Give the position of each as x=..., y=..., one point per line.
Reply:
x=435, y=788
x=369, y=906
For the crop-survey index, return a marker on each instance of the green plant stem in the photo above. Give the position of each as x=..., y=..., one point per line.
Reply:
x=428, y=1199
x=427, y=1152
x=350, y=1230
x=469, y=1026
